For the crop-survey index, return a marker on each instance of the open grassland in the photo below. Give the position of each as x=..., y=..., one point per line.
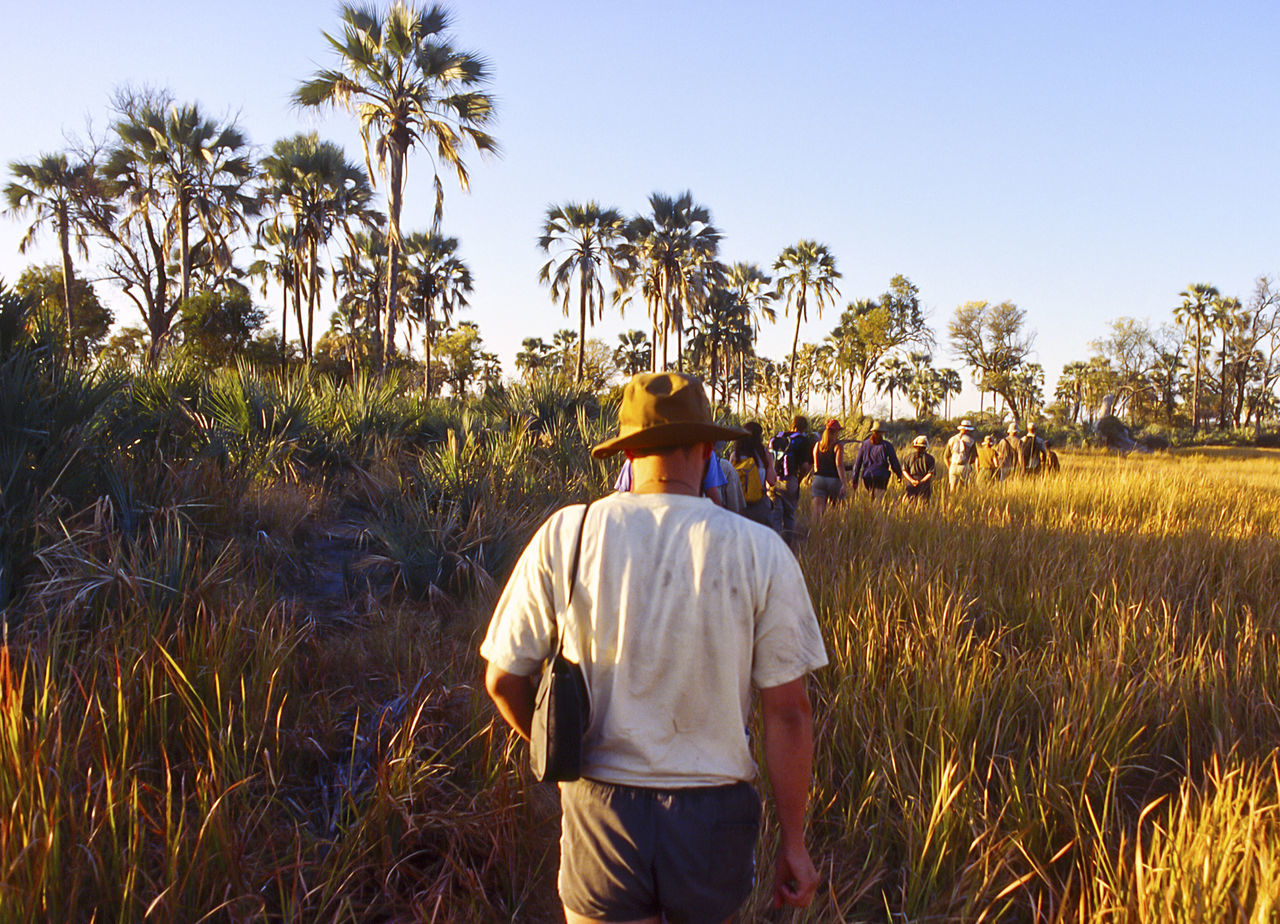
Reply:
x=238, y=678
x=1055, y=699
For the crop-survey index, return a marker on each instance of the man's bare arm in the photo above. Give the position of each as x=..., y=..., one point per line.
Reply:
x=788, y=752
x=513, y=695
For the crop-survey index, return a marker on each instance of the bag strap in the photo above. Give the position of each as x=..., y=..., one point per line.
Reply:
x=573, y=579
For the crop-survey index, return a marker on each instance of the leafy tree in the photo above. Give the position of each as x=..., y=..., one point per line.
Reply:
x=126, y=349
x=50, y=191
x=993, y=341
x=91, y=320
x=217, y=325
x=1193, y=315
x=721, y=322
x=805, y=267
x=462, y=355
x=589, y=242
x=410, y=87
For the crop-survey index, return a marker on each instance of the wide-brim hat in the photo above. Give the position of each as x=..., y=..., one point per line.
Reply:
x=921, y=442
x=966, y=425
x=876, y=427
x=661, y=409
x=1013, y=428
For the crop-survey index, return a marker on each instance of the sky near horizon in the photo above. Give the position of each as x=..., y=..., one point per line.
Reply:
x=1086, y=161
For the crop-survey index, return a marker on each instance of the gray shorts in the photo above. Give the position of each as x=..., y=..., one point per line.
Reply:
x=628, y=853
x=825, y=486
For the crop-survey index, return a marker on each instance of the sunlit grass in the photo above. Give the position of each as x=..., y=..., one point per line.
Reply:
x=1048, y=700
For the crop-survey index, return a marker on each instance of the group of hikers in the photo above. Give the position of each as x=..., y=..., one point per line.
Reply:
x=762, y=482
x=675, y=610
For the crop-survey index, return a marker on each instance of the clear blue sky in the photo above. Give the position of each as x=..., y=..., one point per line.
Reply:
x=1084, y=160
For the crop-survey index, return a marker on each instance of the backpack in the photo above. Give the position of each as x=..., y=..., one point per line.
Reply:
x=798, y=452
x=752, y=479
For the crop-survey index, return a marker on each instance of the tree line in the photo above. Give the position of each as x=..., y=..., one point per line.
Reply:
x=175, y=198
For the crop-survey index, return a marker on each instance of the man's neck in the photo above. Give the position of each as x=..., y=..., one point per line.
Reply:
x=678, y=471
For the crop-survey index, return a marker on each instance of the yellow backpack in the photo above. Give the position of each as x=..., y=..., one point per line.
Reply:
x=749, y=475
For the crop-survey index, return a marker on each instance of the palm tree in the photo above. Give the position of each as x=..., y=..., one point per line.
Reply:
x=410, y=87
x=951, y=384
x=207, y=169
x=634, y=352
x=805, y=266
x=322, y=191
x=751, y=285
x=672, y=245
x=587, y=241
x=437, y=278
x=278, y=264
x=1193, y=314
x=722, y=319
x=48, y=190
x=893, y=375
x=1224, y=315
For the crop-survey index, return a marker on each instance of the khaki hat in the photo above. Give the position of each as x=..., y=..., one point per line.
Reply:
x=1013, y=428
x=876, y=427
x=661, y=409
x=921, y=442
x=966, y=426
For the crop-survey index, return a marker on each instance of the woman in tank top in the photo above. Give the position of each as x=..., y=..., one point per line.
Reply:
x=828, y=468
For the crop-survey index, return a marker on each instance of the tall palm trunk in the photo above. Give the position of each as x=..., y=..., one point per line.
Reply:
x=795, y=345
x=429, y=308
x=284, y=322
x=1195, y=392
x=313, y=294
x=184, y=241
x=395, y=201
x=64, y=242
x=582, y=323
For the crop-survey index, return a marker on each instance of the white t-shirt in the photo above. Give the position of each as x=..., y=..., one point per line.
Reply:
x=681, y=607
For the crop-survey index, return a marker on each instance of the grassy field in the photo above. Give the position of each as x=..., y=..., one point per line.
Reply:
x=239, y=682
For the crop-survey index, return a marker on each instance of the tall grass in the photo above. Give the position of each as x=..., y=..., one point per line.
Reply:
x=1042, y=692
x=1049, y=700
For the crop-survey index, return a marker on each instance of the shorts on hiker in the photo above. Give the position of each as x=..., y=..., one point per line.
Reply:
x=825, y=486
x=628, y=853
x=875, y=482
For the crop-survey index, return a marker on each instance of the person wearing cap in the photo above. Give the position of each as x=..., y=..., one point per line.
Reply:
x=874, y=461
x=796, y=464
x=1032, y=451
x=680, y=608
x=988, y=465
x=827, y=484
x=959, y=455
x=917, y=471
x=1009, y=453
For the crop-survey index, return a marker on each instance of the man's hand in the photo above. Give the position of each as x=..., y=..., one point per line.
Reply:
x=796, y=879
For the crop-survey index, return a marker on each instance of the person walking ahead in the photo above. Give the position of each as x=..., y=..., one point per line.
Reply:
x=874, y=461
x=664, y=821
x=1009, y=453
x=828, y=468
x=959, y=455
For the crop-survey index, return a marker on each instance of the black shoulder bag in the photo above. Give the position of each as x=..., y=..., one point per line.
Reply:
x=562, y=707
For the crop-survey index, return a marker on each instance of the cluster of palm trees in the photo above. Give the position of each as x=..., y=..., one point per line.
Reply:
x=1221, y=357
x=170, y=192
x=669, y=257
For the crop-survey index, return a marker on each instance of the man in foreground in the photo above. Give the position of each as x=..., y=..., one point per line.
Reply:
x=680, y=608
